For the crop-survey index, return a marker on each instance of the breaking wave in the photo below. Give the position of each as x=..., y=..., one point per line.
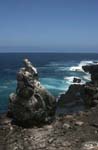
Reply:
x=56, y=71
x=62, y=75
x=79, y=66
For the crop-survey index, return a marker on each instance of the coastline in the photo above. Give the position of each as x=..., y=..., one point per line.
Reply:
x=77, y=131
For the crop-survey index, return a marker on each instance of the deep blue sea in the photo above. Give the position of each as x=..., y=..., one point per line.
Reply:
x=56, y=71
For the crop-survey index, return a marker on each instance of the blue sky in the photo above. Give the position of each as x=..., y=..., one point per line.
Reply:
x=49, y=25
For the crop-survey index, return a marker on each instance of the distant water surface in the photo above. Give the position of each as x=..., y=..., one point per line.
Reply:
x=56, y=71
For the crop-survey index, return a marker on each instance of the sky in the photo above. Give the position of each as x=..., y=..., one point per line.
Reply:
x=49, y=25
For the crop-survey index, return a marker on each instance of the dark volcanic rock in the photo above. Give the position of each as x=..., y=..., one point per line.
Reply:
x=93, y=70
x=32, y=103
x=91, y=94
x=78, y=131
x=76, y=80
x=87, y=93
x=74, y=95
x=78, y=95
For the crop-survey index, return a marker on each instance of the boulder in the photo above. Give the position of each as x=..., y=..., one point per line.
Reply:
x=31, y=103
x=76, y=80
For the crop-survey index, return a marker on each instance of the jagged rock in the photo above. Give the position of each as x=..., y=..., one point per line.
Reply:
x=87, y=92
x=90, y=68
x=91, y=89
x=90, y=94
x=76, y=80
x=74, y=95
x=32, y=103
x=93, y=70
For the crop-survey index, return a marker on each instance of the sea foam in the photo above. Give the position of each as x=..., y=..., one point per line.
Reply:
x=79, y=66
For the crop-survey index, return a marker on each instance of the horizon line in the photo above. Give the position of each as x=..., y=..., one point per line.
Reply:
x=49, y=52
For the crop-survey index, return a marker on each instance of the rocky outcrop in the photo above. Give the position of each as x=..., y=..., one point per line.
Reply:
x=73, y=96
x=31, y=103
x=91, y=88
x=93, y=70
x=90, y=95
x=86, y=93
x=65, y=133
x=76, y=80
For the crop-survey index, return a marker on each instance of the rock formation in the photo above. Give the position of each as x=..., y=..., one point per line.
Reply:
x=76, y=80
x=93, y=70
x=73, y=96
x=86, y=93
x=91, y=88
x=31, y=103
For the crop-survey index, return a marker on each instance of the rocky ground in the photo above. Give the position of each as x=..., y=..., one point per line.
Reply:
x=78, y=131
x=68, y=132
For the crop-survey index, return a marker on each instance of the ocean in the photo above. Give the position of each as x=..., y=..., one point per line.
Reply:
x=56, y=71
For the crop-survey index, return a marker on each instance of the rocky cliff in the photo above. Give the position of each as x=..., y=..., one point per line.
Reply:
x=85, y=94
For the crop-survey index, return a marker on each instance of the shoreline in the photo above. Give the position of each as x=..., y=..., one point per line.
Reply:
x=77, y=131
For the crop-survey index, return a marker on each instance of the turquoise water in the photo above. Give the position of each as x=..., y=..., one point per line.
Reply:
x=56, y=71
